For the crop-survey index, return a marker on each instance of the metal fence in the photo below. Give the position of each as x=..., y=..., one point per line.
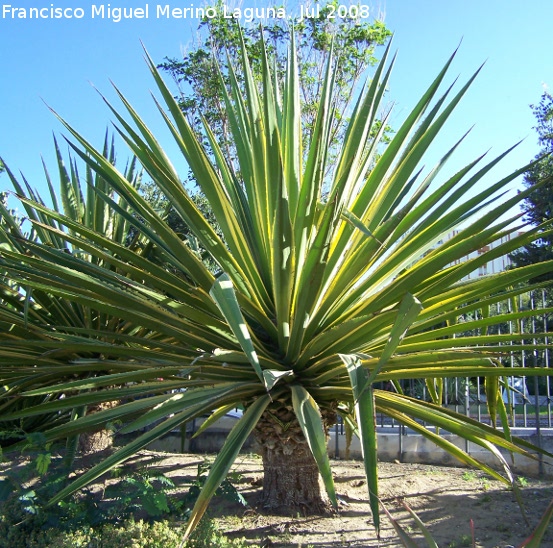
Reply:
x=528, y=399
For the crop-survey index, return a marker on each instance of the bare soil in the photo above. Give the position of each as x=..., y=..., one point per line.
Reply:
x=456, y=504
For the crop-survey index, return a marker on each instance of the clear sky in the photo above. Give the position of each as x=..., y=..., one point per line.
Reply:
x=56, y=60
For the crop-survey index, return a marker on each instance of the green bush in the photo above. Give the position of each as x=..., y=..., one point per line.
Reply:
x=129, y=534
x=107, y=521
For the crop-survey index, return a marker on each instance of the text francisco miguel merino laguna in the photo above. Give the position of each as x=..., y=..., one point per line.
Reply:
x=167, y=11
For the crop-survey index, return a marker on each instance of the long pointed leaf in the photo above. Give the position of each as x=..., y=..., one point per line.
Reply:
x=309, y=417
x=225, y=459
x=365, y=413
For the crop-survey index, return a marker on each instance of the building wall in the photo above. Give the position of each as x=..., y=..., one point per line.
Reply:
x=494, y=266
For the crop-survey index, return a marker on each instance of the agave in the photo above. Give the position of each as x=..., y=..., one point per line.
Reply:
x=330, y=281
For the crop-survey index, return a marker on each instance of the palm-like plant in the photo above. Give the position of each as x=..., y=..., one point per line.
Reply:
x=326, y=287
x=34, y=312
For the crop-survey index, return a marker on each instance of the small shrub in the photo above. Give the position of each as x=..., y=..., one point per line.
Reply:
x=469, y=476
x=129, y=534
x=141, y=492
x=89, y=521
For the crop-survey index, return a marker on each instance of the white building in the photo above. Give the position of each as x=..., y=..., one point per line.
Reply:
x=494, y=266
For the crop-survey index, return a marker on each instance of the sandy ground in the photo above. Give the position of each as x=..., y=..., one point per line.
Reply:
x=454, y=503
x=447, y=500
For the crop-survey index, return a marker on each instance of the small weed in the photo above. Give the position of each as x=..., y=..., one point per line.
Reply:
x=486, y=484
x=464, y=541
x=486, y=498
x=432, y=472
x=469, y=476
x=142, y=491
x=226, y=489
x=522, y=481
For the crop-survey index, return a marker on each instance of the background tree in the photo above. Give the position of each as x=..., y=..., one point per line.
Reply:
x=538, y=206
x=201, y=97
x=538, y=209
x=197, y=73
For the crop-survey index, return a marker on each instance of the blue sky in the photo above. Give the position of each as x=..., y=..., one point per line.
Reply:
x=55, y=61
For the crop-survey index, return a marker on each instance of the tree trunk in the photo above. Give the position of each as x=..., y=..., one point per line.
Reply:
x=291, y=480
x=100, y=440
x=94, y=442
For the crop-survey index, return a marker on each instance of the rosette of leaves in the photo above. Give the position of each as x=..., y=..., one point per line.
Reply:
x=32, y=313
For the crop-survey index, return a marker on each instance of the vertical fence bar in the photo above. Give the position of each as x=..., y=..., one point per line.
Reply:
x=478, y=399
x=510, y=380
x=457, y=397
x=336, y=440
x=536, y=384
x=524, y=401
x=546, y=358
x=498, y=311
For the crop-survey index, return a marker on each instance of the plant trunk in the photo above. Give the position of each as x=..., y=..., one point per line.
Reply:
x=291, y=480
x=100, y=440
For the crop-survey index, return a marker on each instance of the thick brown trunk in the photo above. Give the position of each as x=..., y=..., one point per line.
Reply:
x=94, y=442
x=291, y=481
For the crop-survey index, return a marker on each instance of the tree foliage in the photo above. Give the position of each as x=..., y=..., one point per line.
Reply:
x=220, y=40
x=538, y=206
x=201, y=97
